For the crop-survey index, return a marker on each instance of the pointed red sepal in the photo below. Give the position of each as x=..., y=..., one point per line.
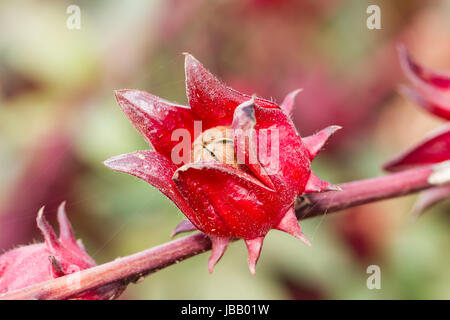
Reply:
x=66, y=234
x=51, y=240
x=315, y=184
x=289, y=224
x=435, y=148
x=288, y=103
x=155, y=118
x=254, y=247
x=183, y=226
x=153, y=168
x=316, y=142
x=219, y=245
x=208, y=96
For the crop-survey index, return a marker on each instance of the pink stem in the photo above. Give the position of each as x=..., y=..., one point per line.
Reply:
x=365, y=191
x=134, y=267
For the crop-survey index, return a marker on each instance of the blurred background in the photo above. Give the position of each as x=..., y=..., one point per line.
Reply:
x=59, y=121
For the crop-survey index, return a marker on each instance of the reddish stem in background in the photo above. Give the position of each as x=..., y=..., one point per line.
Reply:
x=134, y=267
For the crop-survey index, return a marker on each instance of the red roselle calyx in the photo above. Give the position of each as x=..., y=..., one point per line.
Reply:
x=226, y=183
x=54, y=258
x=431, y=90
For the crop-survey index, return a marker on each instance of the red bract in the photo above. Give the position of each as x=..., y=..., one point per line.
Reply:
x=435, y=148
x=56, y=257
x=431, y=88
x=224, y=200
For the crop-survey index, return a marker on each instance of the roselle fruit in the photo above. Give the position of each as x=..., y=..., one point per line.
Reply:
x=223, y=186
x=56, y=257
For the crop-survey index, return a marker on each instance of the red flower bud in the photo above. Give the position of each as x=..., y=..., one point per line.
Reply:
x=231, y=189
x=56, y=257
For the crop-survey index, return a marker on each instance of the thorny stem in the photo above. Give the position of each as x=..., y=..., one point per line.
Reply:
x=134, y=267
